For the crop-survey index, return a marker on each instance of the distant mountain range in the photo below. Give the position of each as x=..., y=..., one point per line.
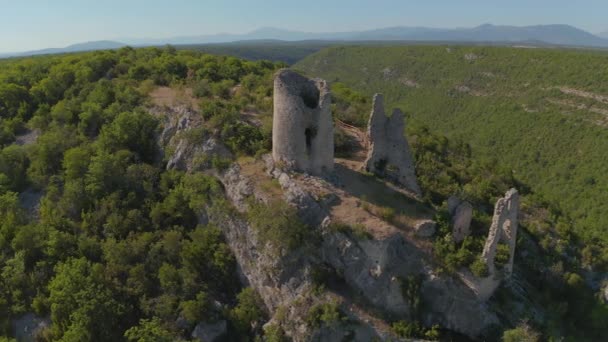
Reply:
x=88, y=46
x=539, y=34
x=603, y=35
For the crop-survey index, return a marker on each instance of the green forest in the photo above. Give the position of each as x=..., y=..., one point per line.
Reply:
x=540, y=113
x=114, y=251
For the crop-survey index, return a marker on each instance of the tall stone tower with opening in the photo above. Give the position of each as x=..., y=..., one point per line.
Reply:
x=302, y=129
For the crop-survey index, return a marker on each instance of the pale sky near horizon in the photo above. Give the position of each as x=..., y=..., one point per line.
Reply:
x=36, y=24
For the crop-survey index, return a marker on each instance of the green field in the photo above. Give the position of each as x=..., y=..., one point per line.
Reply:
x=541, y=112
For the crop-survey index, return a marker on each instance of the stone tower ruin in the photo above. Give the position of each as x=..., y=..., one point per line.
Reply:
x=503, y=229
x=389, y=153
x=302, y=129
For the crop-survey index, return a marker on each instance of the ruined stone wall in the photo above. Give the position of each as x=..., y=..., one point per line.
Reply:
x=503, y=229
x=389, y=153
x=302, y=132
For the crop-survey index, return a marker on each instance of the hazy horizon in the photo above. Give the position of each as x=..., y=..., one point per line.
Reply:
x=67, y=22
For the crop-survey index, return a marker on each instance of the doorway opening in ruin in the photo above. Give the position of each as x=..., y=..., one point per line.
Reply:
x=309, y=133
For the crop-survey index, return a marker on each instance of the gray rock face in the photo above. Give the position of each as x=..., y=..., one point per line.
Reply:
x=210, y=332
x=389, y=153
x=187, y=155
x=28, y=326
x=503, y=229
x=376, y=270
x=302, y=132
x=461, y=213
x=426, y=229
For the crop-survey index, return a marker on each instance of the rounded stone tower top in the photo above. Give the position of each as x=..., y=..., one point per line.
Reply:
x=293, y=86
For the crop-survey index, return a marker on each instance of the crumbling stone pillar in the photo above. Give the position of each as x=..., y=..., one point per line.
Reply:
x=302, y=131
x=389, y=153
x=503, y=229
x=461, y=214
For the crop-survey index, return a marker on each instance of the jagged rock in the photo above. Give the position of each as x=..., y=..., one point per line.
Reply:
x=389, y=154
x=461, y=214
x=28, y=326
x=310, y=211
x=237, y=187
x=210, y=332
x=30, y=201
x=187, y=155
x=27, y=138
x=503, y=229
x=302, y=132
x=426, y=228
x=447, y=302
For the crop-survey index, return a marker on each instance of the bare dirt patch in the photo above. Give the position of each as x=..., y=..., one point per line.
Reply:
x=585, y=94
x=172, y=97
x=27, y=138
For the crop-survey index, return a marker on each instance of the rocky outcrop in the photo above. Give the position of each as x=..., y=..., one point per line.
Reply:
x=425, y=228
x=375, y=271
x=389, y=153
x=503, y=229
x=461, y=214
x=210, y=332
x=378, y=270
x=302, y=132
x=28, y=327
x=187, y=151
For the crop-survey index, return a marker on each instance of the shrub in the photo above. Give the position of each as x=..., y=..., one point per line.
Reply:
x=248, y=311
x=358, y=231
x=278, y=224
x=523, y=333
x=479, y=268
x=328, y=314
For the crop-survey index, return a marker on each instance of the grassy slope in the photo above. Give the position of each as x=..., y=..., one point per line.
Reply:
x=508, y=112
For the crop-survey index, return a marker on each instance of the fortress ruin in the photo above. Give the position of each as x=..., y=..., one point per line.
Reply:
x=389, y=153
x=503, y=229
x=302, y=132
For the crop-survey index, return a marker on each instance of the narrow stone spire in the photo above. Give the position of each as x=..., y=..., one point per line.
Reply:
x=389, y=153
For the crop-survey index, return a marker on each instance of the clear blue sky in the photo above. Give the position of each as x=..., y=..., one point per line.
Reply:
x=35, y=24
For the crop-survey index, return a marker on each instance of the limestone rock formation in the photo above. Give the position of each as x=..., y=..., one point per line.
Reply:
x=210, y=332
x=503, y=230
x=426, y=228
x=389, y=153
x=29, y=326
x=187, y=155
x=461, y=214
x=302, y=132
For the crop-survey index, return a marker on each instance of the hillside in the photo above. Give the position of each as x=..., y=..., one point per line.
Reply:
x=138, y=201
x=548, y=34
x=80, y=47
x=541, y=113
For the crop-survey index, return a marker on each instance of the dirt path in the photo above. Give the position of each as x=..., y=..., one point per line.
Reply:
x=361, y=144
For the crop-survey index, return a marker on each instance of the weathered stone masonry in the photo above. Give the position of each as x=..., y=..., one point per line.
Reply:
x=503, y=229
x=389, y=153
x=302, y=132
